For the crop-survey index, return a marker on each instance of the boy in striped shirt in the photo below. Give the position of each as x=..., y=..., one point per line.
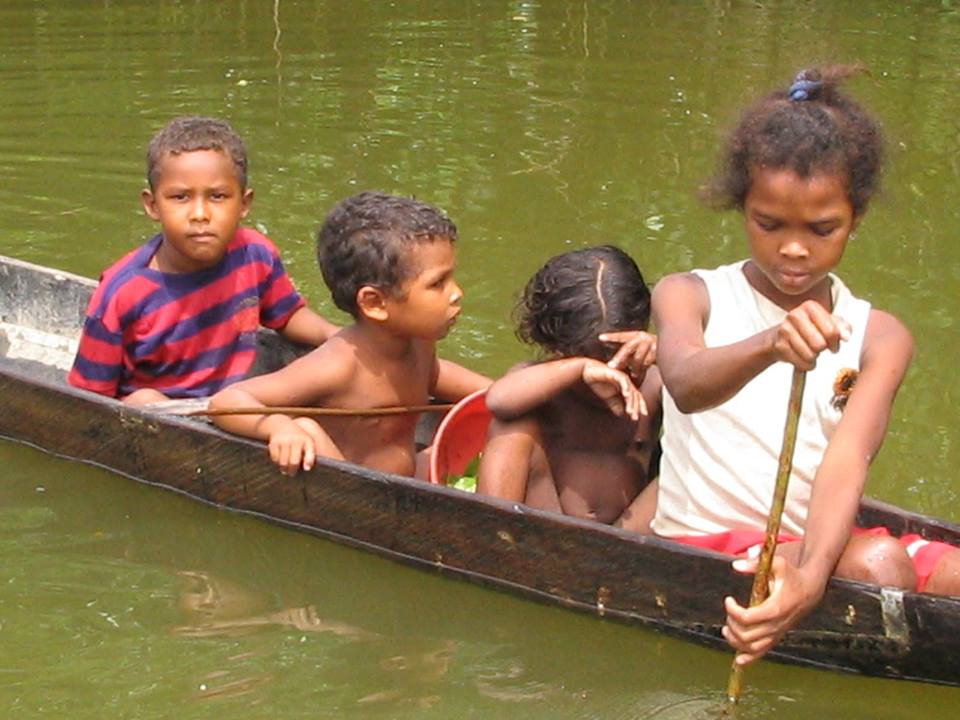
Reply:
x=178, y=316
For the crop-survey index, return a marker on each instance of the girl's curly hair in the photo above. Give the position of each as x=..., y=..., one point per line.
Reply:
x=809, y=127
x=577, y=296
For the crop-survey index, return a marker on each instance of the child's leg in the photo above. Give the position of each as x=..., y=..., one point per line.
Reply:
x=422, y=465
x=639, y=514
x=877, y=559
x=937, y=564
x=945, y=578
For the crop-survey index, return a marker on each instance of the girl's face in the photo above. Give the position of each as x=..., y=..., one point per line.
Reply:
x=798, y=229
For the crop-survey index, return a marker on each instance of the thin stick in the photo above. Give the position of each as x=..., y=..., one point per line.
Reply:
x=320, y=411
x=761, y=581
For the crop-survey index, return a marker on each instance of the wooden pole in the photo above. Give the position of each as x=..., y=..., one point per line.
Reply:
x=308, y=411
x=324, y=411
x=761, y=581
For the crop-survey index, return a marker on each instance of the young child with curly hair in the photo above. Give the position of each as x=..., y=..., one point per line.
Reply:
x=576, y=432
x=389, y=261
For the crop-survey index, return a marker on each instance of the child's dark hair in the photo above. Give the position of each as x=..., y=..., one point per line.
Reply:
x=809, y=127
x=190, y=133
x=578, y=295
x=364, y=241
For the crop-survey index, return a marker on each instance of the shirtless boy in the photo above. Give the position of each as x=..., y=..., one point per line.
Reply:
x=389, y=262
x=575, y=433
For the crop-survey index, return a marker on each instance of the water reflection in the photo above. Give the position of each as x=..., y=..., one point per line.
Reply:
x=270, y=620
x=212, y=606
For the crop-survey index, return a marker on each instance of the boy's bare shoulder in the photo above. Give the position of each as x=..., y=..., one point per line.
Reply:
x=336, y=360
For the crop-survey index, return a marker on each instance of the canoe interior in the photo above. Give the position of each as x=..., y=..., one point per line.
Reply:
x=573, y=563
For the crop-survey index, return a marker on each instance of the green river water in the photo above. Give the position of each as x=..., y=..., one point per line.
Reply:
x=538, y=126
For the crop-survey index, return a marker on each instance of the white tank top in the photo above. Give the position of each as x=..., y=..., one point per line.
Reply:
x=719, y=466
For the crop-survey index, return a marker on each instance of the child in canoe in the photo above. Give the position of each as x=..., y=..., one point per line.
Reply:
x=575, y=433
x=389, y=262
x=178, y=316
x=801, y=166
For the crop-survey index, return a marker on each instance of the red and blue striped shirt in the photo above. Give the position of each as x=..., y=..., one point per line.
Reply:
x=186, y=335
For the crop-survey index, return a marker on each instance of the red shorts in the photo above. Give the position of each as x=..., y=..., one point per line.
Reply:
x=925, y=554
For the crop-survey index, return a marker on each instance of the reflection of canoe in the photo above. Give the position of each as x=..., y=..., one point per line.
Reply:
x=565, y=561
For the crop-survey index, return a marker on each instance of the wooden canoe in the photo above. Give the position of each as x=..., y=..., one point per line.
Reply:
x=573, y=563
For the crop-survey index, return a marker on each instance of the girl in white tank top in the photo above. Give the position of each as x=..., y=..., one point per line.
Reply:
x=802, y=166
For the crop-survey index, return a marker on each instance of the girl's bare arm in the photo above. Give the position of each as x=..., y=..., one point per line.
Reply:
x=528, y=387
x=698, y=377
x=837, y=489
x=505, y=463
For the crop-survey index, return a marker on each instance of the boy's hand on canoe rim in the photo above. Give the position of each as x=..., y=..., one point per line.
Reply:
x=297, y=444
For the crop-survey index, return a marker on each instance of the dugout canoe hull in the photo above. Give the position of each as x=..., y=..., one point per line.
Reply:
x=564, y=561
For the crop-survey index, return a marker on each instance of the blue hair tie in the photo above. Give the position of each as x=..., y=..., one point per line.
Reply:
x=803, y=88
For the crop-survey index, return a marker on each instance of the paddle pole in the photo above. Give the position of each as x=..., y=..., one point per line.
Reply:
x=322, y=411
x=761, y=581
x=193, y=408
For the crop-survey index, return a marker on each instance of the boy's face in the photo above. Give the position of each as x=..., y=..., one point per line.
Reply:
x=798, y=229
x=430, y=301
x=199, y=203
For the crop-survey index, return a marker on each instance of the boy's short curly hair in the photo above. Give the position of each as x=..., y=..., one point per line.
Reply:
x=577, y=296
x=810, y=127
x=365, y=240
x=193, y=132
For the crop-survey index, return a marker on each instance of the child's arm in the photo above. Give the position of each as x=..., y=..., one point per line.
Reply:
x=508, y=465
x=453, y=382
x=835, y=497
x=636, y=354
x=294, y=443
x=523, y=390
x=505, y=462
x=99, y=363
x=699, y=377
x=639, y=514
x=308, y=328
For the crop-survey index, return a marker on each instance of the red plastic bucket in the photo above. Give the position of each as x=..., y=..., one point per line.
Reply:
x=460, y=437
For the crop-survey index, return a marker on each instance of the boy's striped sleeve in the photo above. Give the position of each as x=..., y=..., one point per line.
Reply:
x=99, y=361
x=279, y=299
